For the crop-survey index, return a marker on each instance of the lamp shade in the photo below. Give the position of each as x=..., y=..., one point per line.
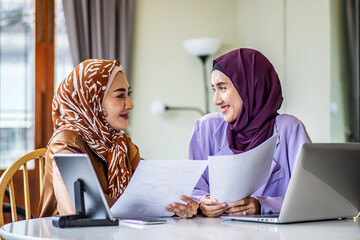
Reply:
x=202, y=46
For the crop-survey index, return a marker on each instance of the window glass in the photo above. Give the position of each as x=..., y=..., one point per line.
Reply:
x=17, y=64
x=63, y=60
x=17, y=76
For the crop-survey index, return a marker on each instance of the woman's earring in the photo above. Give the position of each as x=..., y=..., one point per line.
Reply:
x=105, y=113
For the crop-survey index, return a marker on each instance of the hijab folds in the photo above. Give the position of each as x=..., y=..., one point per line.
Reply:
x=77, y=106
x=258, y=85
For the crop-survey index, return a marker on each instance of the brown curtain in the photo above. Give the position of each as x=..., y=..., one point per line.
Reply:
x=100, y=29
x=352, y=52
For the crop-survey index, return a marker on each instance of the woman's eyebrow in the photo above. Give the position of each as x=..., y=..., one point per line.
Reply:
x=121, y=90
x=219, y=83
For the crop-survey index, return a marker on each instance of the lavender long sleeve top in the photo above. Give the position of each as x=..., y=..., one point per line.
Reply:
x=209, y=139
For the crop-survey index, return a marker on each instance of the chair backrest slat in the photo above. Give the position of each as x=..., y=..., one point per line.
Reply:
x=12, y=200
x=6, y=182
x=26, y=191
x=41, y=172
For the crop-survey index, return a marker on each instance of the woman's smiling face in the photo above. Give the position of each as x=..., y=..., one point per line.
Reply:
x=226, y=96
x=117, y=103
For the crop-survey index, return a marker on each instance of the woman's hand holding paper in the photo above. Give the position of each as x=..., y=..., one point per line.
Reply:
x=187, y=210
x=209, y=207
x=246, y=206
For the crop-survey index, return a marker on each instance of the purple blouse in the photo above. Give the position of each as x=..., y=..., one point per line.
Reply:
x=209, y=139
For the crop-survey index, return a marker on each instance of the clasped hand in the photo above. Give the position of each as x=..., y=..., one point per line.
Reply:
x=187, y=210
x=244, y=206
x=210, y=207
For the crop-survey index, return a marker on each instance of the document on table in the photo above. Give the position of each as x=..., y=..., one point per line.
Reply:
x=155, y=184
x=234, y=177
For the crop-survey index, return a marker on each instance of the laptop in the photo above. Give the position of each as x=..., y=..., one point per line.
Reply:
x=325, y=185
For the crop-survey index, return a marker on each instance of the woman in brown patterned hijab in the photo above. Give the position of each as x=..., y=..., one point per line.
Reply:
x=90, y=111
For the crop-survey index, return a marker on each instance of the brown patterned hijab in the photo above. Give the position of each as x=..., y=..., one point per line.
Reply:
x=77, y=106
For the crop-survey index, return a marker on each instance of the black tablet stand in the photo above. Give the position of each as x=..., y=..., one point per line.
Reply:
x=80, y=219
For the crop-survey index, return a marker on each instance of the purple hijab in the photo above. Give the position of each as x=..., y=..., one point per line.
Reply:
x=258, y=85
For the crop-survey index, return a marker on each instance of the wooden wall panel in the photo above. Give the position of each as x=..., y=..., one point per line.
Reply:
x=44, y=70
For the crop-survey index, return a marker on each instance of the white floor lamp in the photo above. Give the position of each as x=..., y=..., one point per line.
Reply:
x=201, y=48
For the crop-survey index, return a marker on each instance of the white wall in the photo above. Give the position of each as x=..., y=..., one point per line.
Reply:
x=260, y=26
x=293, y=34
x=163, y=70
x=307, y=64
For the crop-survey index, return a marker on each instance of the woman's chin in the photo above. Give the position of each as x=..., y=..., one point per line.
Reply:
x=229, y=119
x=119, y=127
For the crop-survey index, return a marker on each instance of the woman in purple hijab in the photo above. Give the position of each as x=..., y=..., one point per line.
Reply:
x=247, y=90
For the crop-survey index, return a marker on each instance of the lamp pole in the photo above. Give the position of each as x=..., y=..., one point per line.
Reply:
x=203, y=59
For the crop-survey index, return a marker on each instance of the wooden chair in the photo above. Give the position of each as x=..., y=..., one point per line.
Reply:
x=6, y=182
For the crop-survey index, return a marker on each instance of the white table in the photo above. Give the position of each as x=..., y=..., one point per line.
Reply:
x=196, y=228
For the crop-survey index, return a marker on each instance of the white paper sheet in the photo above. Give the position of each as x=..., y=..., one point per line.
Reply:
x=155, y=184
x=234, y=177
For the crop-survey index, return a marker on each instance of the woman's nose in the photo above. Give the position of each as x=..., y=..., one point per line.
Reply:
x=128, y=104
x=216, y=99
